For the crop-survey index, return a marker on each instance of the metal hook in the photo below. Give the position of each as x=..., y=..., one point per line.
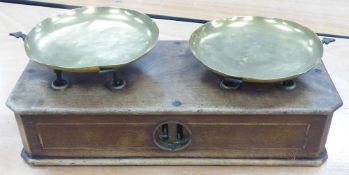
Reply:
x=18, y=35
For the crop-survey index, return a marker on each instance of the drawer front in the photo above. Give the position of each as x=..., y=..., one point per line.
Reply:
x=211, y=136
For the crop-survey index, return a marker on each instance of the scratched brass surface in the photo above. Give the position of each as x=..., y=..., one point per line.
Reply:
x=87, y=39
x=256, y=49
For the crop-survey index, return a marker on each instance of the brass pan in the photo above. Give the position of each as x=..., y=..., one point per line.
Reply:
x=256, y=49
x=88, y=39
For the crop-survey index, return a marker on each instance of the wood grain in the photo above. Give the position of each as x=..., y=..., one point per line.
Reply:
x=13, y=60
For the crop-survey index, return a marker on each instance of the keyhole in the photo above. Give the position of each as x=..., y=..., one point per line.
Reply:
x=172, y=136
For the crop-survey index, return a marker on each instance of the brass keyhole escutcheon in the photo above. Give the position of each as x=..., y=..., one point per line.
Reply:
x=172, y=136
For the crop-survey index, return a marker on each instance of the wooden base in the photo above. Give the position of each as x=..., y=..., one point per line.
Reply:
x=44, y=161
x=87, y=124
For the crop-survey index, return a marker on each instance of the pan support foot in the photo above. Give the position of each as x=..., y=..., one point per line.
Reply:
x=230, y=83
x=113, y=83
x=287, y=85
x=59, y=83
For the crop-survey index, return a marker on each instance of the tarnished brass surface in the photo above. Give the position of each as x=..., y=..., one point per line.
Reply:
x=87, y=39
x=172, y=136
x=256, y=49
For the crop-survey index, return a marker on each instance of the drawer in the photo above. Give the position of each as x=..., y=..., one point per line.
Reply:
x=206, y=136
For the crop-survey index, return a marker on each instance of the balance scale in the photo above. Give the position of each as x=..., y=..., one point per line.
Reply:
x=172, y=111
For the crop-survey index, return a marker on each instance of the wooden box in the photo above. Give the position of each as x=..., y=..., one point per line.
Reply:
x=169, y=91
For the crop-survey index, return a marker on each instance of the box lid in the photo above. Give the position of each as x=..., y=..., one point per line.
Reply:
x=169, y=80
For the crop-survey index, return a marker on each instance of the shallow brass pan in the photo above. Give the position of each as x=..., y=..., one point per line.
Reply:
x=89, y=39
x=256, y=49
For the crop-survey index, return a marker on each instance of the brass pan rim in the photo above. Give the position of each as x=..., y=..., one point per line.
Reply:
x=246, y=78
x=97, y=67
